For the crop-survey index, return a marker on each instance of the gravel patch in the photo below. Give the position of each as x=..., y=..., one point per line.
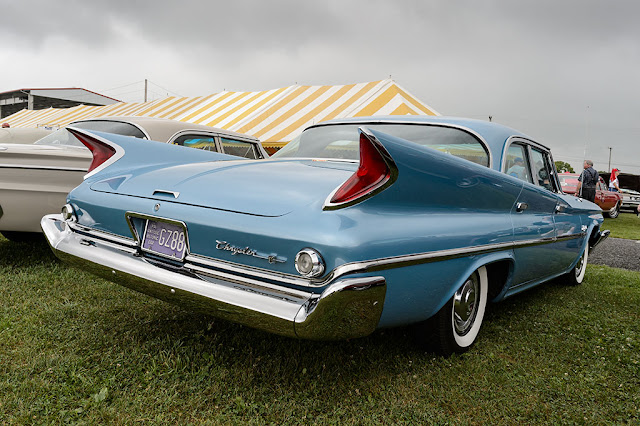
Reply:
x=617, y=253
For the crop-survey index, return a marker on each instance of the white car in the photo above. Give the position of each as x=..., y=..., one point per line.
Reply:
x=36, y=178
x=630, y=199
x=20, y=135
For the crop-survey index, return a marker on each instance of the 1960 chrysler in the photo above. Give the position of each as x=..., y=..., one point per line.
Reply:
x=356, y=225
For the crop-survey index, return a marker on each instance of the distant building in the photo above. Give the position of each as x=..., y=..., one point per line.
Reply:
x=34, y=99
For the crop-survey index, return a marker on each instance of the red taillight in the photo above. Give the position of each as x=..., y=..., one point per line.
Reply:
x=100, y=150
x=372, y=173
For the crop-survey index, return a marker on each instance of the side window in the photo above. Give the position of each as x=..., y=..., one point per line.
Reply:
x=207, y=143
x=238, y=148
x=542, y=172
x=517, y=164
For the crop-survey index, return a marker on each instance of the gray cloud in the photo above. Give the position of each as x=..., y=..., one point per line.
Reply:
x=564, y=72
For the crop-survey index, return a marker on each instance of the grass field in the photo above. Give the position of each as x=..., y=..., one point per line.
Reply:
x=626, y=225
x=77, y=349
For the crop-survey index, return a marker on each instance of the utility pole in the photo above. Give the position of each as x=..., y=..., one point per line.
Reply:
x=609, y=169
x=145, y=90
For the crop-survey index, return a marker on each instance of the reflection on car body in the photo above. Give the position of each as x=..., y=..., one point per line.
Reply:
x=356, y=225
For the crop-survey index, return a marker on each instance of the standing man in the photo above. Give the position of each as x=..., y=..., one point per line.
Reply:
x=587, y=182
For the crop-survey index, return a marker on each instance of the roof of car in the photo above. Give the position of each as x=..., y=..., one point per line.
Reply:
x=162, y=129
x=494, y=134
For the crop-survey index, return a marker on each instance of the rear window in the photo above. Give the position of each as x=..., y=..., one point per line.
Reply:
x=341, y=141
x=117, y=127
x=62, y=137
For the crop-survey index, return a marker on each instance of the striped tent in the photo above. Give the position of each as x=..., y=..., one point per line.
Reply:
x=273, y=116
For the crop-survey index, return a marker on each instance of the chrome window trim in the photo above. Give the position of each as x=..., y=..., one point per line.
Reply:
x=35, y=167
x=473, y=133
x=528, y=144
x=525, y=141
x=195, y=133
x=198, y=261
x=254, y=146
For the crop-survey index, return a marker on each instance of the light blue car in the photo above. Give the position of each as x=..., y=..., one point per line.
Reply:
x=356, y=225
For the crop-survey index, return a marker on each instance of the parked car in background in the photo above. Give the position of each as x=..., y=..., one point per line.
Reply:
x=630, y=199
x=357, y=225
x=36, y=178
x=609, y=201
x=9, y=135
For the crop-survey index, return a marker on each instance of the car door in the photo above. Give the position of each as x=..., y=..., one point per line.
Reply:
x=538, y=221
x=604, y=198
x=569, y=233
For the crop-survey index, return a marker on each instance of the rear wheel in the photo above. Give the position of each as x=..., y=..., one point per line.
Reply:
x=455, y=327
x=614, y=212
x=576, y=275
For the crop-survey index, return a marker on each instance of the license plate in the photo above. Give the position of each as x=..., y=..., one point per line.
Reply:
x=165, y=239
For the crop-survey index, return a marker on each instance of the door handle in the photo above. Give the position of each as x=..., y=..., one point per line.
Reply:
x=520, y=207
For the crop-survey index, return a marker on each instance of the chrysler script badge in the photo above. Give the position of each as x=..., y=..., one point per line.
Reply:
x=223, y=245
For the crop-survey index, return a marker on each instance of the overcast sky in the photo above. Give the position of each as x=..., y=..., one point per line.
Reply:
x=564, y=72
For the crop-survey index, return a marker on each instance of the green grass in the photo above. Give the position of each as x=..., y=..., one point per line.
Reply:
x=77, y=349
x=626, y=225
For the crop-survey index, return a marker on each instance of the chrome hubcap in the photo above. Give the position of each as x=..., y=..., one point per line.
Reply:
x=579, y=266
x=465, y=306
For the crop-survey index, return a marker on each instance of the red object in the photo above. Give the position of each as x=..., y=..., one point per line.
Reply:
x=607, y=200
x=613, y=175
x=5, y=125
x=100, y=150
x=372, y=173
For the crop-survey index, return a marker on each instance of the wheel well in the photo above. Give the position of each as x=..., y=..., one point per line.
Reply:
x=497, y=275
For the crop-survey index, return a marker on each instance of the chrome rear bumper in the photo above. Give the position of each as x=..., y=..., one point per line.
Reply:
x=346, y=308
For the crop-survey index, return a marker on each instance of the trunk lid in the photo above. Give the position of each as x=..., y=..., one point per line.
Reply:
x=264, y=187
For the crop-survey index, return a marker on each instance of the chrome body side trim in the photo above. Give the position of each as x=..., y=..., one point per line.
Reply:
x=223, y=268
x=347, y=308
x=35, y=167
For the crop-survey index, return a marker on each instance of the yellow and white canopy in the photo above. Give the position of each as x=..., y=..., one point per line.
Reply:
x=273, y=116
